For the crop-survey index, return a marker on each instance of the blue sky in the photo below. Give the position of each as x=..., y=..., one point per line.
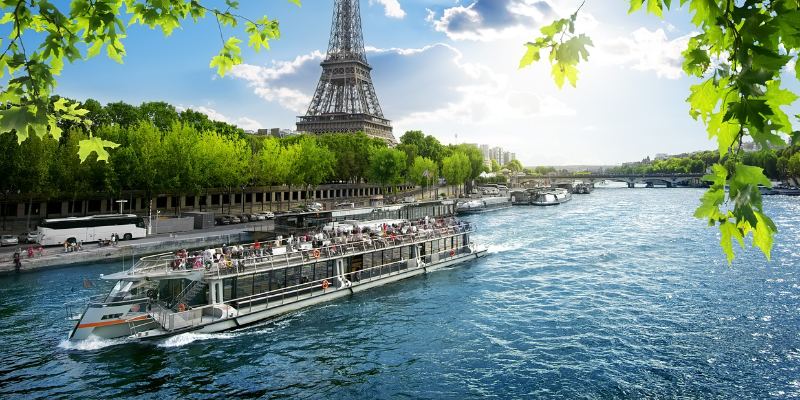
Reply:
x=445, y=67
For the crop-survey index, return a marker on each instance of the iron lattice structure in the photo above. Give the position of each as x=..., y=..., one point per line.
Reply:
x=345, y=99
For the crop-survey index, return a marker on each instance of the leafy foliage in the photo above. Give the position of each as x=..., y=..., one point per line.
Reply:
x=56, y=32
x=740, y=55
x=565, y=52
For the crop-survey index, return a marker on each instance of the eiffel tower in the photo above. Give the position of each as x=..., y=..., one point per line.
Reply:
x=345, y=100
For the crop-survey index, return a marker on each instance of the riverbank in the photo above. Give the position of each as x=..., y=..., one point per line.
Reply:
x=125, y=252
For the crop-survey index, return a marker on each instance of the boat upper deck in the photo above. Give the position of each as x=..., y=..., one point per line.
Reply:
x=287, y=252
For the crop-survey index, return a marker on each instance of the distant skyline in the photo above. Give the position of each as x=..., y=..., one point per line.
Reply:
x=444, y=67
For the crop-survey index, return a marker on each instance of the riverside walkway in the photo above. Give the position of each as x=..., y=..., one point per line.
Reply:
x=127, y=250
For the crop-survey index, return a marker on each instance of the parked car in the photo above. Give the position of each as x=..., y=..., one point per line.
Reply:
x=31, y=237
x=345, y=206
x=235, y=219
x=265, y=215
x=258, y=217
x=222, y=220
x=8, y=240
x=244, y=218
x=314, y=207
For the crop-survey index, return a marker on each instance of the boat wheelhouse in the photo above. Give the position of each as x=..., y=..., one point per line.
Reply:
x=220, y=289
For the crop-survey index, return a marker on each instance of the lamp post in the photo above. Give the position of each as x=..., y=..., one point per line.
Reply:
x=121, y=202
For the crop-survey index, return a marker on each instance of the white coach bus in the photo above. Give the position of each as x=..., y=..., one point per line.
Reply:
x=90, y=229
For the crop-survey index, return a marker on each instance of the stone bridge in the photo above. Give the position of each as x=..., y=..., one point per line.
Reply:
x=650, y=180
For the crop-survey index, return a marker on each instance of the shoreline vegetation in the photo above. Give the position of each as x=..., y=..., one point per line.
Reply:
x=162, y=148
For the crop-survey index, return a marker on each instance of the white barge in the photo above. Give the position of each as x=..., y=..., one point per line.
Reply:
x=484, y=204
x=221, y=289
x=541, y=197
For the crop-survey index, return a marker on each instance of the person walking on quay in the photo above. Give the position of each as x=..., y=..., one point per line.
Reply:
x=17, y=261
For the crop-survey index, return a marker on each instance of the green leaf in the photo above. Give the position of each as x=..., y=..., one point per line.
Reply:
x=797, y=67
x=654, y=7
x=728, y=232
x=532, y=54
x=703, y=98
x=636, y=5
x=562, y=72
x=17, y=119
x=748, y=174
x=95, y=145
x=554, y=28
x=763, y=234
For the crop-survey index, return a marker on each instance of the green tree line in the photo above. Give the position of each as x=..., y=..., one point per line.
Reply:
x=162, y=149
x=778, y=164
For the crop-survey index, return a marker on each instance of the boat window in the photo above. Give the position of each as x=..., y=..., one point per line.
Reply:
x=278, y=279
x=227, y=288
x=244, y=286
x=261, y=283
x=405, y=252
x=368, y=261
x=307, y=272
x=293, y=276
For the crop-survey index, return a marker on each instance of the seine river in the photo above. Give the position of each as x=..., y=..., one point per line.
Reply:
x=618, y=294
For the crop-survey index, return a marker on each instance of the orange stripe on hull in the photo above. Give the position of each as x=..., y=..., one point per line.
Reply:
x=111, y=322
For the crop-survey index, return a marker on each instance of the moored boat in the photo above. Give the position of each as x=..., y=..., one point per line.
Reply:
x=541, y=197
x=221, y=289
x=484, y=204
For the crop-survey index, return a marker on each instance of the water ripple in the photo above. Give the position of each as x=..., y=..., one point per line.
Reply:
x=620, y=294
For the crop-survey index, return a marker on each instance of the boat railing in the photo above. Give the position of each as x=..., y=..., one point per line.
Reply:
x=177, y=320
x=165, y=262
x=325, y=253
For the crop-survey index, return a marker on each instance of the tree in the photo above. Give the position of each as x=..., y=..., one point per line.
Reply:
x=123, y=114
x=423, y=171
x=273, y=166
x=387, y=166
x=351, y=152
x=738, y=55
x=416, y=143
x=515, y=167
x=456, y=168
x=159, y=113
x=59, y=32
x=314, y=164
x=495, y=166
x=793, y=166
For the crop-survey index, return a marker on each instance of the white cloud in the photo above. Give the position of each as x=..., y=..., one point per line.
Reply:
x=391, y=8
x=263, y=80
x=484, y=20
x=646, y=50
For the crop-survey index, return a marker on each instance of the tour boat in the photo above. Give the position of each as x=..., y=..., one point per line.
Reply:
x=541, y=197
x=221, y=289
x=484, y=204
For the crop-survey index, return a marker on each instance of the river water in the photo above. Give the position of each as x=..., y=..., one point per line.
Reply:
x=618, y=294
